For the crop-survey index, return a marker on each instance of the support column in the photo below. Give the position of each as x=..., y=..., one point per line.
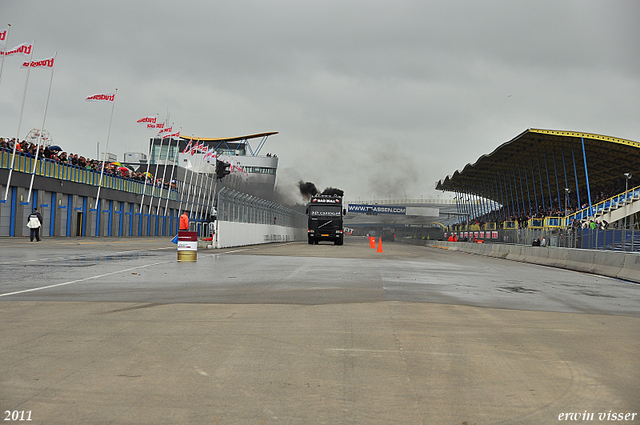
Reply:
x=555, y=170
x=566, y=182
x=541, y=185
x=586, y=173
x=535, y=192
x=575, y=173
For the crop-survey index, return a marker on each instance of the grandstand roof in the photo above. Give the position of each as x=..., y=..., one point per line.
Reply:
x=229, y=139
x=547, y=155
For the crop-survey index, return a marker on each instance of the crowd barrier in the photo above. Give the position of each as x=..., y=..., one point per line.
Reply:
x=621, y=265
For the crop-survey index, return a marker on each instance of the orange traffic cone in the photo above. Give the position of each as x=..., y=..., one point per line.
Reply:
x=372, y=242
x=379, y=245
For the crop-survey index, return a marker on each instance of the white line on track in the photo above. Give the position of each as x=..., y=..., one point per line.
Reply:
x=81, y=280
x=112, y=273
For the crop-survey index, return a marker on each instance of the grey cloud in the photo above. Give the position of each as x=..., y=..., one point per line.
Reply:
x=429, y=85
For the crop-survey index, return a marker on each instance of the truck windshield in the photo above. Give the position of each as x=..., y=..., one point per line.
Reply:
x=318, y=211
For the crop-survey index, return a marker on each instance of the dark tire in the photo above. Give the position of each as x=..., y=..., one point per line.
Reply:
x=310, y=241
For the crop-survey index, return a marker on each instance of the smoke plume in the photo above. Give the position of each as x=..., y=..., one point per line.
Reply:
x=332, y=191
x=307, y=190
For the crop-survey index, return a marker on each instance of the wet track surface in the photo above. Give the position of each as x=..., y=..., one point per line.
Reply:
x=297, y=273
x=117, y=331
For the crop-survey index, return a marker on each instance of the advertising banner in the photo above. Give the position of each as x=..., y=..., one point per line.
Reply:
x=377, y=209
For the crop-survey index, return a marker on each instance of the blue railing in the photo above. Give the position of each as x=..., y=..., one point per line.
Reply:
x=607, y=205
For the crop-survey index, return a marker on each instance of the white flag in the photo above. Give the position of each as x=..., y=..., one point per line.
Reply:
x=43, y=63
x=22, y=49
x=101, y=97
x=172, y=136
x=147, y=120
x=3, y=36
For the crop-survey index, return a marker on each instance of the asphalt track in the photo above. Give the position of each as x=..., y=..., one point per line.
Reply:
x=117, y=331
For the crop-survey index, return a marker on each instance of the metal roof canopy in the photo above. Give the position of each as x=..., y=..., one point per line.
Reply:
x=538, y=160
x=233, y=143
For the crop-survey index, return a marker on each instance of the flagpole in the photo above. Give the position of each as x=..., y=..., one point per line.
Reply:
x=209, y=193
x=201, y=177
x=207, y=187
x=24, y=97
x=106, y=149
x=190, y=185
x=185, y=175
x=174, y=160
x=144, y=189
x=155, y=175
x=196, y=196
x=46, y=107
x=206, y=204
x=199, y=189
x=164, y=171
x=6, y=43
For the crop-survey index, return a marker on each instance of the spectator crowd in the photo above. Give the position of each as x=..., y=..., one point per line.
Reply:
x=57, y=155
x=598, y=195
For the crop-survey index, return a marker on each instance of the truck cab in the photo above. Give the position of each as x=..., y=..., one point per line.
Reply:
x=325, y=213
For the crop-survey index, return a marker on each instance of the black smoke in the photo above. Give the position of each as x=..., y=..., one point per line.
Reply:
x=307, y=189
x=332, y=191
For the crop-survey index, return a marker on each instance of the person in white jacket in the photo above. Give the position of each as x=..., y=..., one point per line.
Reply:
x=34, y=222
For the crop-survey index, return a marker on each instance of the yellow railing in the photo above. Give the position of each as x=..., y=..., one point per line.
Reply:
x=68, y=172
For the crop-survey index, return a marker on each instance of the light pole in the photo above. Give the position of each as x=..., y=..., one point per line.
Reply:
x=566, y=211
x=626, y=188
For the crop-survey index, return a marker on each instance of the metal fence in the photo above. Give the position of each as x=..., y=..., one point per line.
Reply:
x=603, y=239
x=244, y=208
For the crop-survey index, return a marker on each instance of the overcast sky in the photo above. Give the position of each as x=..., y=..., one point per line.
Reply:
x=379, y=98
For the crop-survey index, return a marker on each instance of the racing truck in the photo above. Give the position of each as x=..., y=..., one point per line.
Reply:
x=325, y=214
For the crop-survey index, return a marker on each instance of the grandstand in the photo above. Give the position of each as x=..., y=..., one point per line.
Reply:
x=553, y=182
x=79, y=196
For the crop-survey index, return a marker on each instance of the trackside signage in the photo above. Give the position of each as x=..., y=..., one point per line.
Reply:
x=377, y=209
x=334, y=201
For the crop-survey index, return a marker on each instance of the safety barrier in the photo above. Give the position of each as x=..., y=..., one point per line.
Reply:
x=244, y=219
x=621, y=265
